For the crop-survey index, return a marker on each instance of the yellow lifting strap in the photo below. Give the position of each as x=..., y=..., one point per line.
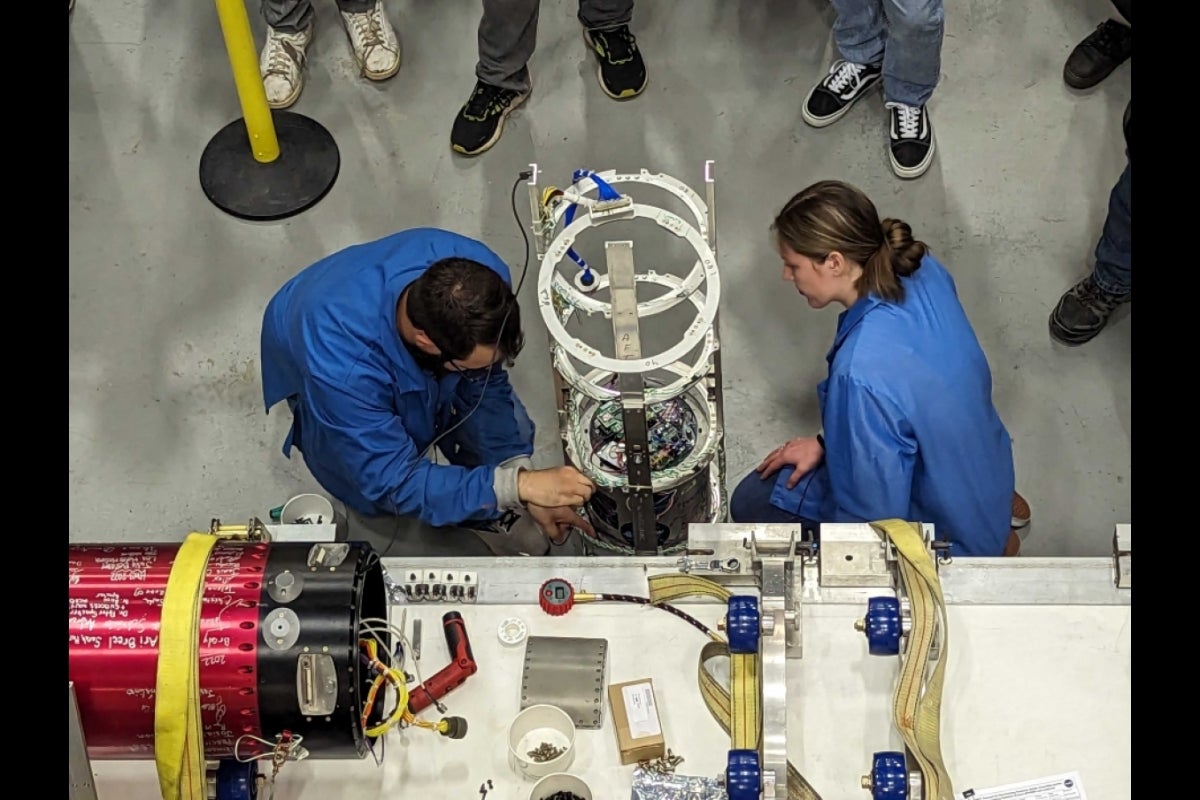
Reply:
x=916, y=711
x=672, y=586
x=739, y=715
x=178, y=734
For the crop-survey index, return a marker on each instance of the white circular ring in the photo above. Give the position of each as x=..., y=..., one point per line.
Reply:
x=695, y=333
x=512, y=631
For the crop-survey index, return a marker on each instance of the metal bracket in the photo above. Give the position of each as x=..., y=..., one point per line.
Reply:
x=83, y=783
x=609, y=210
x=1123, y=556
x=853, y=554
x=773, y=553
x=626, y=335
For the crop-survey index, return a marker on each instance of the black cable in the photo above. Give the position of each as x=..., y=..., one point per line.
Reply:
x=522, y=176
x=646, y=601
x=503, y=322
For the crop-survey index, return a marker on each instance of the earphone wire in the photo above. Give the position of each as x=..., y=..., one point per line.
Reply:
x=503, y=322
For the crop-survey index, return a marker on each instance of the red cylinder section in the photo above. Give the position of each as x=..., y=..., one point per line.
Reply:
x=116, y=598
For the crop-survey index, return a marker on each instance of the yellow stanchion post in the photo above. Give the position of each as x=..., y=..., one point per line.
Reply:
x=268, y=164
x=239, y=44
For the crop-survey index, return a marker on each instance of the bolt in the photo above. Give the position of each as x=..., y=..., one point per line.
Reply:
x=860, y=625
x=867, y=783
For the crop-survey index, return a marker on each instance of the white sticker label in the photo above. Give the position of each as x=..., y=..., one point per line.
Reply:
x=1067, y=786
x=639, y=708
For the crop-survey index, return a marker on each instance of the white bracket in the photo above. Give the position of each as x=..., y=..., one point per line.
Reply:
x=420, y=584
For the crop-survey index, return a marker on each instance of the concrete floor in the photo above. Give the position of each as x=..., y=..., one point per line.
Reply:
x=166, y=292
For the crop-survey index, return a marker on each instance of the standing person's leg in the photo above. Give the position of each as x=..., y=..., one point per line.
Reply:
x=1085, y=309
x=507, y=39
x=376, y=48
x=912, y=63
x=1102, y=51
x=621, y=71
x=281, y=64
x=859, y=35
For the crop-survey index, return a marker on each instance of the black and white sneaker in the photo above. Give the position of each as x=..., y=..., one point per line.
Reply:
x=911, y=139
x=481, y=120
x=829, y=100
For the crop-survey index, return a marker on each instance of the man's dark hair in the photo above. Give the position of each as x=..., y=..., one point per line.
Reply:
x=461, y=304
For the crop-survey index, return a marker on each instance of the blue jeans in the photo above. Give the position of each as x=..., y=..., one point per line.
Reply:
x=751, y=502
x=906, y=35
x=1114, y=251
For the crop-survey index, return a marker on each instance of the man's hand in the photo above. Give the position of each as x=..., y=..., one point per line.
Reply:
x=557, y=522
x=551, y=488
x=803, y=453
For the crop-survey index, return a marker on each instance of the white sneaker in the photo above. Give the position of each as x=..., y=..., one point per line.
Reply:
x=282, y=65
x=376, y=48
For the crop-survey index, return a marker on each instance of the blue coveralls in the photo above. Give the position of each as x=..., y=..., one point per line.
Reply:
x=364, y=414
x=909, y=426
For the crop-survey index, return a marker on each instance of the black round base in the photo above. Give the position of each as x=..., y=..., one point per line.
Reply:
x=303, y=173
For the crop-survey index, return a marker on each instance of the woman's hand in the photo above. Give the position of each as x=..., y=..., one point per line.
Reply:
x=803, y=453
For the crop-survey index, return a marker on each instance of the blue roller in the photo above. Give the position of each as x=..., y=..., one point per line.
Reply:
x=889, y=777
x=742, y=624
x=235, y=780
x=883, y=626
x=743, y=776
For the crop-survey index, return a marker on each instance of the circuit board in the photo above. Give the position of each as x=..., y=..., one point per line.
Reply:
x=671, y=428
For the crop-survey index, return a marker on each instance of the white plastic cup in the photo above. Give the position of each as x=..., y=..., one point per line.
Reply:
x=307, y=509
x=560, y=782
x=532, y=727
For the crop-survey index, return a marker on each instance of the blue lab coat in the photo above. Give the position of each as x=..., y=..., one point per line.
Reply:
x=363, y=412
x=909, y=425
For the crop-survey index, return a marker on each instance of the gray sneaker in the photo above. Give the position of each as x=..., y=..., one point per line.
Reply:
x=1083, y=312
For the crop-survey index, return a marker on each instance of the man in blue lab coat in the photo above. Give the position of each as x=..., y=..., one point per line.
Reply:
x=386, y=350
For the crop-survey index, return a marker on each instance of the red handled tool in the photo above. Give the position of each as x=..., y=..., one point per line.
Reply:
x=450, y=677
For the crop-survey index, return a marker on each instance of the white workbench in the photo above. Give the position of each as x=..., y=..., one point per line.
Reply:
x=1031, y=690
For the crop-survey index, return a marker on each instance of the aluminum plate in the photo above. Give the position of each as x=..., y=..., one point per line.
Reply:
x=567, y=672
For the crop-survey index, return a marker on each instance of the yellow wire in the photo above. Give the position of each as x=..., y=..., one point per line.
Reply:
x=391, y=675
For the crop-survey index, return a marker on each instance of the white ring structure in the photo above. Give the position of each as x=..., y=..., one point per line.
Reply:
x=552, y=286
x=579, y=448
x=689, y=375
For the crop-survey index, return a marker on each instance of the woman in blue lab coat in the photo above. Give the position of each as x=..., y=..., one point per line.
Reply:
x=909, y=428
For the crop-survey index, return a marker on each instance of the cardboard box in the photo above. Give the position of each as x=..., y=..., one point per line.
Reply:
x=636, y=721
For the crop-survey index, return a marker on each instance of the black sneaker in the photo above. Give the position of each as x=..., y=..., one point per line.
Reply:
x=829, y=100
x=481, y=121
x=1083, y=312
x=1093, y=59
x=622, y=72
x=911, y=139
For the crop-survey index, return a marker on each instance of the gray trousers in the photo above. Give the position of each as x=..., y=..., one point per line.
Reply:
x=403, y=536
x=293, y=16
x=508, y=36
